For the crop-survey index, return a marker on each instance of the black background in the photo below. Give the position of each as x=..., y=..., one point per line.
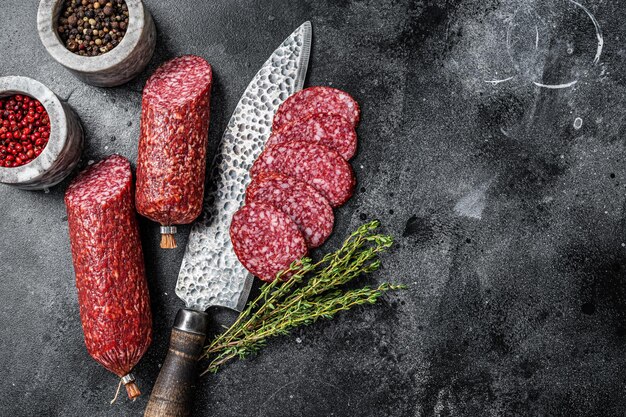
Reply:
x=509, y=221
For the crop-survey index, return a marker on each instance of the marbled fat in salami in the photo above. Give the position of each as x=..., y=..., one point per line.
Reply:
x=108, y=262
x=317, y=165
x=171, y=160
x=332, y=130
x=309, y=210
x=266, y=241
x=313, y=100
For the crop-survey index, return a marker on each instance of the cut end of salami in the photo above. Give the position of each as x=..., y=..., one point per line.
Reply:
x=178, y=81
x=317, y=165
x=266, y=241
x=313, y=100
x=101, y=182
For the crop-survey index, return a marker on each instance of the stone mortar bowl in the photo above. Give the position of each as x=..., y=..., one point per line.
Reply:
x=113, y=68
x=65, y=143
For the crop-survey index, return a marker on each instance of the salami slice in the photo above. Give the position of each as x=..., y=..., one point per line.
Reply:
x=317, y=165
x=313, y=100
x=308, y=209
x=108, y=263
x=332, y=130
x=265, y=240
x=171, y=159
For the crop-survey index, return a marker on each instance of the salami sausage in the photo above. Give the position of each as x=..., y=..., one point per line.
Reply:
x=317, y=165
x=332, y=130
x=108, y=262
x=308, y=209
x=313, y=100
x=171, y=160
x=265, y=240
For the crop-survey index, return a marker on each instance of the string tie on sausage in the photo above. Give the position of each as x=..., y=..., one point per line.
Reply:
x=167, y=237
x=131, y=388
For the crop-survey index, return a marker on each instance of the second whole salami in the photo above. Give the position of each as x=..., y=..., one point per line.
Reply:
x=171, y=159
x=108, y=262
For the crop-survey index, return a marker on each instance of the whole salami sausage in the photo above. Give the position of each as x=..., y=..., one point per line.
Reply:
x=108, y=262
x=171, y=159
x=308, y=209
x=317, y=165
x=265, y=240
x=332, y=130
x=313, y=100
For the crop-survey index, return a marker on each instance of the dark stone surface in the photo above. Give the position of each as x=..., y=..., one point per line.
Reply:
x=509, y=220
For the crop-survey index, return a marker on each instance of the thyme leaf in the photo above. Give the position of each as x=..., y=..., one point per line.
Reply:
x=313, y=291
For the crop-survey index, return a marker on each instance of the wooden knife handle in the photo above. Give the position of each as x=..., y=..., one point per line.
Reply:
x=174, y=387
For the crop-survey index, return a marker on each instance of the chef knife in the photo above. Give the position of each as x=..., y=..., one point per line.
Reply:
x=211, y=274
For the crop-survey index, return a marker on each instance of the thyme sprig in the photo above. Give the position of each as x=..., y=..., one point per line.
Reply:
x=313, y=291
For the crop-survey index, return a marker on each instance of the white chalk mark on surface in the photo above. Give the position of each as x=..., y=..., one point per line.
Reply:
x=473, y=203
x=509, y=31
x=536, y=38
x=282, y=388
x=598, y=31
x=510, y=42
x=495, y=82
x=555, y=86
x=578, y=123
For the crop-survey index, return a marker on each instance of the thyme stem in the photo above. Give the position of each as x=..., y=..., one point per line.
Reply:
x=311, y=292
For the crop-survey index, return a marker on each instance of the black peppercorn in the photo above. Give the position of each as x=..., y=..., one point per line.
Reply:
x=92, y=27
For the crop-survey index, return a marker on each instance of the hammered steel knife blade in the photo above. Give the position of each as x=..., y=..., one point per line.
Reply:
x=211, y=274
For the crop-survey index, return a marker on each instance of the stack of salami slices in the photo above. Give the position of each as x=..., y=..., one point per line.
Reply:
x=302, y=174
